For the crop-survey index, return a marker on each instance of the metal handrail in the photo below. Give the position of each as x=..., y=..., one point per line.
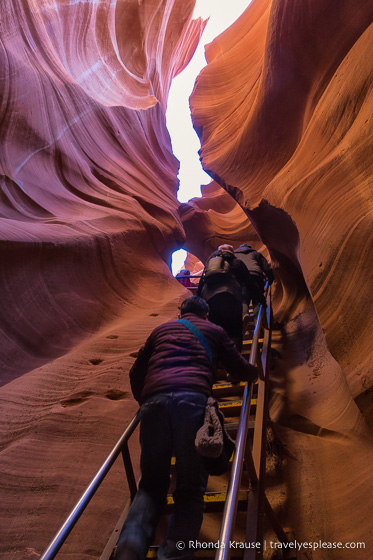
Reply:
x=64, y=531
x=230, y=507
x=188, y=276
x=234, y=482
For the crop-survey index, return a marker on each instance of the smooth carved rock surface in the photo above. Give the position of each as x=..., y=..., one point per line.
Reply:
x=290, y=123
x=214, y=219
x=88, y=176
x=88, y=219
x=284, y=113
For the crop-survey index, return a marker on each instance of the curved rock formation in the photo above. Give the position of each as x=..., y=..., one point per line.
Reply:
x=213, y=220
x=283, y=110
x=290, y=124
x=88, y=220
x=88, y=177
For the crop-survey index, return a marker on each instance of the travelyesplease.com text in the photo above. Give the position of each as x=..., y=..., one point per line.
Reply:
x=293, y=545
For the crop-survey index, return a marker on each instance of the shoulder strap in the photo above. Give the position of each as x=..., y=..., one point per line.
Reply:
x=198, y=334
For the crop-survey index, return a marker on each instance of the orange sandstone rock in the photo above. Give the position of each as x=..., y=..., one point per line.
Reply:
x=88, y=177
x=283, y=110
x=88, y=220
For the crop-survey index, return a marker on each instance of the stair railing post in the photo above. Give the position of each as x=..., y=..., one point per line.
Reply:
x=230, y=508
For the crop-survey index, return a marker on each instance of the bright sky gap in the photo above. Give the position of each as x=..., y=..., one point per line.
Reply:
x=185, y=142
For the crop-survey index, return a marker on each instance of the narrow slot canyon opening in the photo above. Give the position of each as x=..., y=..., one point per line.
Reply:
x=184, y=139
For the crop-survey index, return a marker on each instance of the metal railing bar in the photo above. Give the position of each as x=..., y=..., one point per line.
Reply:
x=188, y=276
x=267, y=339
x=256, y=504
x=260, y=420
x=64, y=531
x=230, y=507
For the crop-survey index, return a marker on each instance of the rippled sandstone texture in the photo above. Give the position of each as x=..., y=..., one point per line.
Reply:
x=88, y=219
x=284, y=113
x=88, y=176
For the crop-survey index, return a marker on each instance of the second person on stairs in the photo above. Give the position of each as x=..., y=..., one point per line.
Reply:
x=226, y=285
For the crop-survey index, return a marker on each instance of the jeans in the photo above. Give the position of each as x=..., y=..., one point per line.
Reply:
x=169, y=423
x=226, y=311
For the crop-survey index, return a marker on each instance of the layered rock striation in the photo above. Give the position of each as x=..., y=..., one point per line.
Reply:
x=89, y=181
x=88, y=219
x=286, y=129
x=284, y=114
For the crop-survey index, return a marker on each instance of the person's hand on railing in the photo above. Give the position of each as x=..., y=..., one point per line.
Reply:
x=256, y=373
x=231, y=379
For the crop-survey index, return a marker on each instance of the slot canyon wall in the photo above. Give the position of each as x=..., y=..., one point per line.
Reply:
x=284, y=114
x=89, y=218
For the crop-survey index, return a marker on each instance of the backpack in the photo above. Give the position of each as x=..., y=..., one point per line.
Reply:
x=218, y=268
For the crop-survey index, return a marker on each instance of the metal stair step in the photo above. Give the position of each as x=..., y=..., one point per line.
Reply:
x=214, y=501
x=226, y=389
x=250, y=341
x=233, y=408
x=232, y=427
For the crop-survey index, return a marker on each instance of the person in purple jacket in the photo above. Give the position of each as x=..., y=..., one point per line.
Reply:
x=172, y=379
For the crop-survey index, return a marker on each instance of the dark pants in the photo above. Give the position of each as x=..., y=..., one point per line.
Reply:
x=257, y=294
x=169, y=423
x=226, y=311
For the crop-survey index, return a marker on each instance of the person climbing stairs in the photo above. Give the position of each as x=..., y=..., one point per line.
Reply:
x=235, y=502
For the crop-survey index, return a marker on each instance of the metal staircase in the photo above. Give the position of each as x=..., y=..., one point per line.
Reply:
x=236, y=503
